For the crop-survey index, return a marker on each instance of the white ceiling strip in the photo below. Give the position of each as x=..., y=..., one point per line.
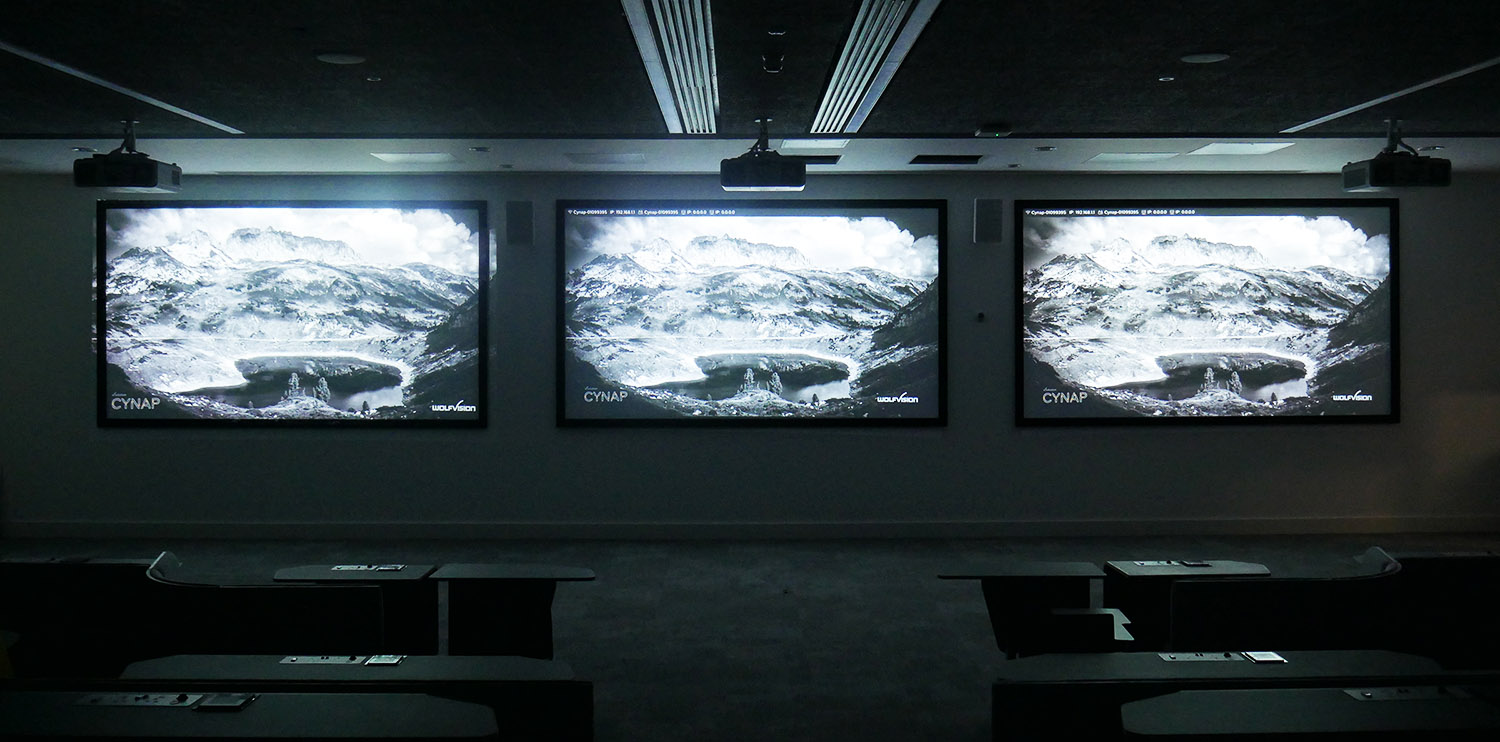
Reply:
x=870, y=53
x=882, y=34
x=908, y=38
x=1384, y=98
x=86, y=77
x=684, y=30
x=645, y=42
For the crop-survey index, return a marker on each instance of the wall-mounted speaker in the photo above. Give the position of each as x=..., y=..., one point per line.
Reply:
x=518, y=223
x=989, y=223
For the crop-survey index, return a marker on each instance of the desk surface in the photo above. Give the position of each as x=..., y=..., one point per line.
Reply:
x=1123, y=667
x=1306, y=711
x=327, y=716
x=546, y=572
x=352, y=572
x=415, y=668
x=1185, y=568
x=1021, y=568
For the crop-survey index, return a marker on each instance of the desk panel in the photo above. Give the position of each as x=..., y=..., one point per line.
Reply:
x=1079, y=695
x=1426, y=713
x=536, y=700
x=52, y=715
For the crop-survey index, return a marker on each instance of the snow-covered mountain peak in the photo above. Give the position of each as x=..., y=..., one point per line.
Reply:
x=194, y=248
x=1188, y=250
x=658, y=256
x=276, y=246
x=1119, y=255
x=727, y=252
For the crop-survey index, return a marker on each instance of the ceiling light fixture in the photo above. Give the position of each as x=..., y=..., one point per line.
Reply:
x=340, y=58
x=1128, y=157
x=762, y=168
x=1240, y=148
x=414, y=158
x=814, y=143
x=1204, y=57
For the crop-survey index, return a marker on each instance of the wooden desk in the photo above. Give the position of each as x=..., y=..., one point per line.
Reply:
x=27, y=716
x=1344, y=713
x=1078, y=696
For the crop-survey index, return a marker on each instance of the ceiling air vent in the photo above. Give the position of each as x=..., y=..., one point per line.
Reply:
x=946, y=160
x=815, y=159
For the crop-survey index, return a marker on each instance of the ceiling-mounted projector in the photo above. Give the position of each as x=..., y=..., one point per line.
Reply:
x=762, y=169
x=127, y=170
x=1392, y=168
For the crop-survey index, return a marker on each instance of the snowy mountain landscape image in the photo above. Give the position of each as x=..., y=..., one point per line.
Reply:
x=242, y=312
x=1207, y=312
x=738, y=313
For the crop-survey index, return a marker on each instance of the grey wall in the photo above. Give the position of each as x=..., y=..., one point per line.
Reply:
x=979, y=476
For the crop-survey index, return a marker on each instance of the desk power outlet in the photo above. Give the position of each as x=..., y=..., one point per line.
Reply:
x=1200, y=656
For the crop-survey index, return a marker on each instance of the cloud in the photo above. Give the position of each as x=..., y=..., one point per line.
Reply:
x=1288, y=241
x=832, y=243
x=378, y=236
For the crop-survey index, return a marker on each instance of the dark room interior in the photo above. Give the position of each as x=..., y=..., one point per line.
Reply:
x=574, y=520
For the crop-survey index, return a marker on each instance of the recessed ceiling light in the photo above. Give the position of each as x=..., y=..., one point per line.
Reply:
x=1124, y=157
x=340, y=58
x=84, y=149
x=1240, y=148
x=415, y=158
x=814, y=143
x=373, y=78
x=1204, y=57
x=479, y=149
x=1431, y=148
x=605, y=158
x=1165, y=78
x=1046, y=148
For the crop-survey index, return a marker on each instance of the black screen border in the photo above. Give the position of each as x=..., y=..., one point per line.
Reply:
x=101, y=228
x=1288, y=205
x=789, y=206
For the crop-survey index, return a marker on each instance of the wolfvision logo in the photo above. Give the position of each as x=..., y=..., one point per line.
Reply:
x=458, y=406
x=119, y=401
x=903, y=399
x=1358, y=396
x=591, y=394
x=1053, y=396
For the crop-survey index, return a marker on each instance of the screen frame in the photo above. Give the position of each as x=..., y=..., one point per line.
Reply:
x=101, y=274
x=812, y=207
x=1289, y=205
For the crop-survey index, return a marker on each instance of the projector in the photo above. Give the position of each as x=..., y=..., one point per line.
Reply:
x=131, y=172
x=762, y=170
x=1397, y=170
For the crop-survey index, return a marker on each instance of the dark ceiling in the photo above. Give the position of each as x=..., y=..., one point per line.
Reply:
x=570, y=68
